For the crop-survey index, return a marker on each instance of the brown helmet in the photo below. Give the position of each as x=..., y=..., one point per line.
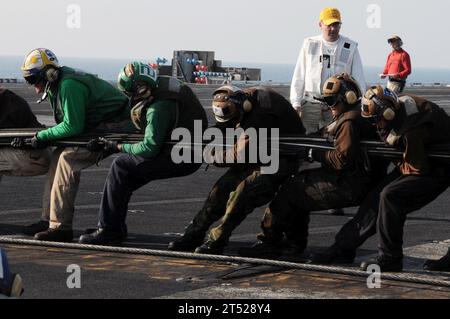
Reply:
x=228, y=101
x=341, y=88
x=223, y=106
x=379, y=102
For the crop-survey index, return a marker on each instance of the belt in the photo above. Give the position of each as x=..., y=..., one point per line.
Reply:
x=397, y=80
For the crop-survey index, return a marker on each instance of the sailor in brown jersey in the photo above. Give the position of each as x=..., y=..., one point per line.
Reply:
x=243, y=187
x=342, y=181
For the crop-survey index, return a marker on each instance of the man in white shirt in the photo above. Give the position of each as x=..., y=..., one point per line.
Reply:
x=320, y=58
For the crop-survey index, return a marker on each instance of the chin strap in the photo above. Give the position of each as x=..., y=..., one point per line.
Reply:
x=45, y=95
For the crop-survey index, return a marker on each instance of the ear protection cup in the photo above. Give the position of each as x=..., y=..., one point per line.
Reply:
x=247, y=106
x=338, y=85
x=242, y=101
x=389, y=114
x=350, y=97
x=51, y=74
x=377, y=102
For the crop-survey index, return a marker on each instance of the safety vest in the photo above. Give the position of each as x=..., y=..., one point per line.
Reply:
x=340, y=63
x=188, y=107
x=105, y=102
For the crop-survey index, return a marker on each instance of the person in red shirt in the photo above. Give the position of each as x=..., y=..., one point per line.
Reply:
x=398, y=66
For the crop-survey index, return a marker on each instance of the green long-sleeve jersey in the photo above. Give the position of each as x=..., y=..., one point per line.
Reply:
x=160, y=120
x=80, y=102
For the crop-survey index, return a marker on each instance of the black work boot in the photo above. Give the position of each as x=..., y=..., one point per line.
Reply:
x=195, y=232
x=442, y=264
x=35, y=228
x=52, y=234
x=102, y=237
x=293, y=249
x=186, y=243
x=211, y=247
x=262, y=249
x=334, y=254
x=386, y=264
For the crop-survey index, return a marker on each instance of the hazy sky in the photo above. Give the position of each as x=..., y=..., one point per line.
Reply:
x=268, y=31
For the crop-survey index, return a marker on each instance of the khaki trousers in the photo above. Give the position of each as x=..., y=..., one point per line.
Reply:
x=62, y=184
x=315, y=116
x=396, y=87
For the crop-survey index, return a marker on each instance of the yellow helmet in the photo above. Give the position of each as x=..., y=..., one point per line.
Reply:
x=36, y=63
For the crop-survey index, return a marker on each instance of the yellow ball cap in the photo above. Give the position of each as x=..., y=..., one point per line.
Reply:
x=330, y=16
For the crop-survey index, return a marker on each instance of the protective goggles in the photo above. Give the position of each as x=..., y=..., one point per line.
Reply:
x=372, y=118
x=32, y=79
x=332, y=100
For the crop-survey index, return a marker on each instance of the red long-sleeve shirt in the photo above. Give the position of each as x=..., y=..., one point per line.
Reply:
x=398, y=62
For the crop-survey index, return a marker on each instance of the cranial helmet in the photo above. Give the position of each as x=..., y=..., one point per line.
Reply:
x=228, y=101
x=137, y=79
x=341, y=88
x=379, y=102
x=40, y=65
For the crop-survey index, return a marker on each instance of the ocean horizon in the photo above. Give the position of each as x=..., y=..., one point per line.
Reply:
x=107, y=68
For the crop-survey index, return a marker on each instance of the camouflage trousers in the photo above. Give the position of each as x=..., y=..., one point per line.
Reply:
x=317, y=189
x=235, y=195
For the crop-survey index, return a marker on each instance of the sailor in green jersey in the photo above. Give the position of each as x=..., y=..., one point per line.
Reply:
x=163, y=104
x=81, y=102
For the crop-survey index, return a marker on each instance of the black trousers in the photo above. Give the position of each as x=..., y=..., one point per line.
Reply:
x=129, y=173
x=364, y=224
x=402, y=196
x=384, y=210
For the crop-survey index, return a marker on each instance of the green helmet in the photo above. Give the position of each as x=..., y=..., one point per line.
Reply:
x=136, y=75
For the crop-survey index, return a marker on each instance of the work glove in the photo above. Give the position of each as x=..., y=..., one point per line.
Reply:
x=102, y=144
x=38, y=144
x=110, y=146
x=94, y=145
x=18, y=142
